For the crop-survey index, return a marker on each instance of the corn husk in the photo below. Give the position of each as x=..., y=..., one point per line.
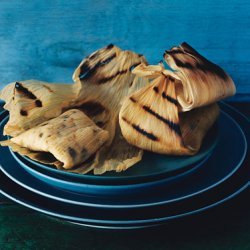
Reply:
x=32, y=102
x=71, y=138
x=202, y=82
x=105, y=77
x=102, y=80
x=150, y=120
x=155, y=118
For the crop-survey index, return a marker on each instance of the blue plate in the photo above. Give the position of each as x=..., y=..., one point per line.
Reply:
x=138, y=217
x=216, y=169
x=80, y=187
x=152, y=167
x=128, y=219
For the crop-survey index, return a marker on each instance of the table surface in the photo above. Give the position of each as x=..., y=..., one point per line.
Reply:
x=223, y=227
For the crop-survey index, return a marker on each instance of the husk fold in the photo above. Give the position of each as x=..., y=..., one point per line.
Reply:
x=155, y=118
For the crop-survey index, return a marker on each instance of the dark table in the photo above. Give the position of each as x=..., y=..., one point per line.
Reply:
x=224, y=227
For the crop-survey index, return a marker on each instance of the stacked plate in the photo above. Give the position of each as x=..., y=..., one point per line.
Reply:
x=158, y=189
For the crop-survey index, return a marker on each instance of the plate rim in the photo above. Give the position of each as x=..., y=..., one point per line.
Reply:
x=161, y=181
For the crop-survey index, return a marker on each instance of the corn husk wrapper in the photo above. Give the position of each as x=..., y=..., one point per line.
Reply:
x=105, y=78
x=71, y=138
x=32, y=102
x=155, y=118
x=102, y=80
x=150, y=120
x=202, y=82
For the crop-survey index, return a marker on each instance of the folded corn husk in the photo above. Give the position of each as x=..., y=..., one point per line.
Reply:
x=151, y=118
x=202, y=82
x=102, y=83
x=102, y=80
x=105, y=77
x=71, y=138
x=32, y=102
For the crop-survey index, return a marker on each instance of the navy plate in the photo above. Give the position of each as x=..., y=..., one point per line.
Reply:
x=127, y=219
x=216, y=170
x=140, y=217
x=153, y=166
x=80, y=187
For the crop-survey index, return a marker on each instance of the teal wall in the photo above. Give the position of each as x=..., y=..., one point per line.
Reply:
x=47, y=39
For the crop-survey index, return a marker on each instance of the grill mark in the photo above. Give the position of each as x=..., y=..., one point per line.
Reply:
x=94, y=55
x=109, y=78
x=169, y=98
x=100, y=124
x=171, y=125
x=38, y=103
x=110, y=46
x=173, y=52
x=23, y=112
x=92, y=108
x=156, y=90
x=72, y=152
x=44, y=124
x=132, y=99
x=130, y=85
x=150, y=136
x=84, y=153
x=21, y=89
x=86, y=72
x=205, y=66
x=41, y=135
x=181, y=64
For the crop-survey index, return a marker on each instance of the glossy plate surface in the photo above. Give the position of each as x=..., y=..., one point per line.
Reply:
x=219, y=167
x=141, y=217
x=153, y=166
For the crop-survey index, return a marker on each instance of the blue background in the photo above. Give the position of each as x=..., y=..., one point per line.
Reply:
x=46, y=40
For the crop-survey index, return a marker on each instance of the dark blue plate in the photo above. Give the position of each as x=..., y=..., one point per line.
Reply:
x=153, y=166
x=80, y=187
x=218, y=168
x=136, y=217
x=128, y=219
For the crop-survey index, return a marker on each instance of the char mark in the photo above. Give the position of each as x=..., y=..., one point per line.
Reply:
x=150, y=136
x=132, y=99
x=130, y=85
x=38, y=103
x=173, y=52
x=181, y=64
x=109, y=78
x=72, y=153
x=110, y=46
x=92, y=108
x=21, y=89
x=44, y=124
x=170, y=99
x=100, y=124
x=93, y=56
x=156, y=90
x=205, y=66
x=213, y=68
x=86, y=71
x=84, y=152
x=23, y=112
x=173, y=126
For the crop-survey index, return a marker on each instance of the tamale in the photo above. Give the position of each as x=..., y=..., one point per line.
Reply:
x=71, y=138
